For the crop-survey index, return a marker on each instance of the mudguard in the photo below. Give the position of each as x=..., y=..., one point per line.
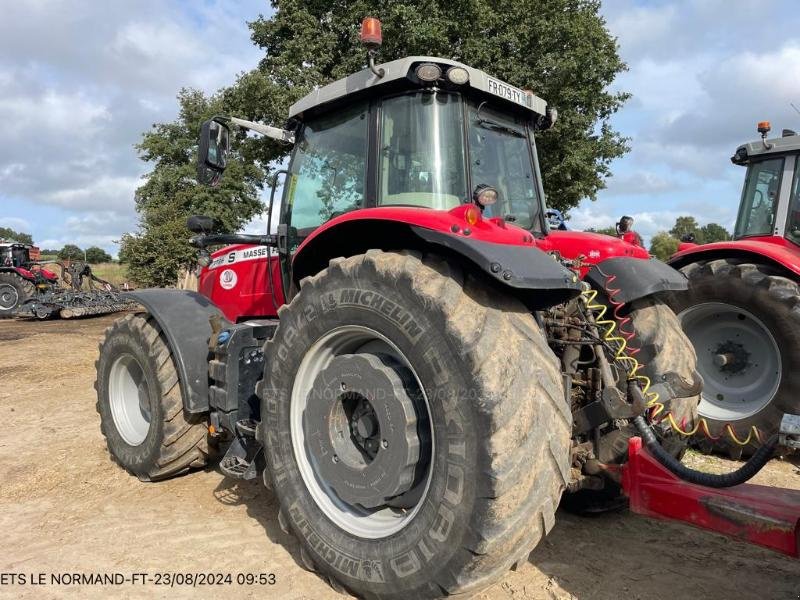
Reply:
x=183, y=316
x=635, y=277
x=525, y=268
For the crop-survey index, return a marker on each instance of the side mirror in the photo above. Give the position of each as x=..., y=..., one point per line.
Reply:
x=202, y=225
x=212, y=152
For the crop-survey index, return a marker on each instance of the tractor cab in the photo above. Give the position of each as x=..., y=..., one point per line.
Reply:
x=16, y=255
x=770, y=203
x=428, y=133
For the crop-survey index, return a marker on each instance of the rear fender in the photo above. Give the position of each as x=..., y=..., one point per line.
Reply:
x=635, y=278
x=504, y=253
x=184, y=316
x=774, y=251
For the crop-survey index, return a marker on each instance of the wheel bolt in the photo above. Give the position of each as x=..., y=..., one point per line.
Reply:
x=384, y=444
x=335, y=459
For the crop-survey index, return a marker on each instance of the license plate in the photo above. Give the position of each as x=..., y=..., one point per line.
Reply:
x=509, y=92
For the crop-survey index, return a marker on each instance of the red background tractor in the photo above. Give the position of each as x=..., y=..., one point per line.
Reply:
x=742, y=309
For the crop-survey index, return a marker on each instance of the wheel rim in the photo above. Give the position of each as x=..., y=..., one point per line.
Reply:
x=129, y=399
x=9, y=296
x=381, y=521
x=738, y=358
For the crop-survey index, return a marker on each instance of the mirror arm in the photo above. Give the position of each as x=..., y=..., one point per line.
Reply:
x=276, y=133
x=201, y=241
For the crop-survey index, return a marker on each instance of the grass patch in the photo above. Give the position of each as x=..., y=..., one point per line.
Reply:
x=113, y=272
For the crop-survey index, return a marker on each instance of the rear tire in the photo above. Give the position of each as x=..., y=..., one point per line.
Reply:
x=663, y=348
x=499, y=459
x=14, y=291
x=140, y=403
x=751, y=316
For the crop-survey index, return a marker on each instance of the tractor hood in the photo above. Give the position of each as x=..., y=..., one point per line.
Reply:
x=594, y=247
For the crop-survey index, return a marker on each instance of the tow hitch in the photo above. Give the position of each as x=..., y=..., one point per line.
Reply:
x=759, y=514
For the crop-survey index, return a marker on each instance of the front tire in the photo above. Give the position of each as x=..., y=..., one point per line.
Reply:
x=140, y=403
x=489, y=397
x=744, y=323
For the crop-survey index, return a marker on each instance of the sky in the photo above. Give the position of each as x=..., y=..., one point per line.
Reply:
x=80, y=80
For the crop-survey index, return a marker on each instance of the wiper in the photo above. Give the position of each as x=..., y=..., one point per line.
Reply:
x=489, y=124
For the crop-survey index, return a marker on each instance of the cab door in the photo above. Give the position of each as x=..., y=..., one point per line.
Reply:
x=327, y=177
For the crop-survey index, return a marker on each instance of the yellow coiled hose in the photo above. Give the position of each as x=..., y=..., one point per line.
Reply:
x=608, y=328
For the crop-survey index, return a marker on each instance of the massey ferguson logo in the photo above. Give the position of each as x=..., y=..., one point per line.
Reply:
x=237, y=256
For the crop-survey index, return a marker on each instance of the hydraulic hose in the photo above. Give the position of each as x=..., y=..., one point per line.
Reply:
x=723, y=480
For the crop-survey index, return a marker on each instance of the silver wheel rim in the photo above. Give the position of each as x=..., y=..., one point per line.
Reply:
x=129, y=399
x=9, y=296
x=371, y=524
x=738, y=358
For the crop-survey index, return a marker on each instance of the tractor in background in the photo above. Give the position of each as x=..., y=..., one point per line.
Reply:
x=414, y=364
x=29, y=290
x=742, y=308
x=21, y=277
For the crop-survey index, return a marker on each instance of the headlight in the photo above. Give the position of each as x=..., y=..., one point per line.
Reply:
x=428, y=72
x=457, y=75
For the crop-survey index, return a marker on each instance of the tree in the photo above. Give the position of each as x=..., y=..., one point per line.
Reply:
x=714, y=233
x=663, y=245
x=561, y=50
x=70, y=252
x=96, y=255
x=8, y=234
x=687, y=226
x=612, y=231
x=171, y=193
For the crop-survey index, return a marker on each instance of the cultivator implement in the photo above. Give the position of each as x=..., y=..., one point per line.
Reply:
x=70, y=304
x=87, y=295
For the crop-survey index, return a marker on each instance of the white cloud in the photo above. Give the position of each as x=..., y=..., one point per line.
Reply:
x=81, y=80
x=17, y=224
x=105, y=191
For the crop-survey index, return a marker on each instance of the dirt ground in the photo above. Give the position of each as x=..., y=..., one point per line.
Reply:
x=65, y=508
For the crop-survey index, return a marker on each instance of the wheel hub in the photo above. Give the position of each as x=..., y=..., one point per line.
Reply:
x=731, y=357
x=361, y=427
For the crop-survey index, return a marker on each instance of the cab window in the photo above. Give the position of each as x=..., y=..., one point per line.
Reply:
x=422, y=151
x=760, y=198
x=328, y=169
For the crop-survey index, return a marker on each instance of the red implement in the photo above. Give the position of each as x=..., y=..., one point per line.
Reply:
x=759, y=514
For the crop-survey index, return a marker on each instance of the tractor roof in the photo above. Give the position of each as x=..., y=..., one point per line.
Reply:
x=788, y=143
x=403, y=69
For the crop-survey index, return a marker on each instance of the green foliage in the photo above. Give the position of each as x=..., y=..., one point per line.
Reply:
x=171, y=193
x=70, y=252
x=8, y=234
x=561, y=49
x=663, y=245
x=612, y=231
x=687, y=226
x=714, y=232
x=96, y=255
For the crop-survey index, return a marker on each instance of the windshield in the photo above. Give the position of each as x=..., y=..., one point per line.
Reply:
x=499, y=156
x=759, y=198
x=422, y=151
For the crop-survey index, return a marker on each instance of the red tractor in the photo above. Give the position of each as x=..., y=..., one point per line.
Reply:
x=21, y=278
x=742, y=309
x=414, y=364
